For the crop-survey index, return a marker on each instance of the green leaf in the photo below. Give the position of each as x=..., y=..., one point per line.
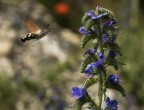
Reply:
x=95, y=44
x=85, y=18
x=90, y=81
x=115, y=47
x=110, y=14
x=85, y=39
x=80, y=102
x=112, y=62
x=85, y=62
x=88, y=25
x=117, y=87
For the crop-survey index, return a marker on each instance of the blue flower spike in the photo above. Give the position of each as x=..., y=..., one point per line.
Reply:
x=99, y=31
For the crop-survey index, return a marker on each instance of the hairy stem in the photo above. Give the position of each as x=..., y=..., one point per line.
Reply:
x=100, y=92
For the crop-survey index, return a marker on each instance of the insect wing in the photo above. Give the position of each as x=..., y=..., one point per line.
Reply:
x=32, y=27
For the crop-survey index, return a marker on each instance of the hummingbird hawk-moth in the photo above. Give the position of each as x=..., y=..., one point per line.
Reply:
x=35, y=33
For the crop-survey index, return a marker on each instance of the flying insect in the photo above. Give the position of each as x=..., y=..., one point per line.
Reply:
x=34, y=32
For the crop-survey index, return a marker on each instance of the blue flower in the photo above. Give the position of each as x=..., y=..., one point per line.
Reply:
x=83, y=31
x=101, y=56
x=79, y=92
x=89, y=75
x=111, y=104
x=88, y=69
x=99, y=16
x=93, y=15
x=96, y=64
x=112, y=53
x=89, y=52
x=105, y=38
x=110, y=23
x=113, y=79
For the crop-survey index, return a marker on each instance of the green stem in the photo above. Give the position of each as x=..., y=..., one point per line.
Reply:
x=100, y=92
x=102, y=75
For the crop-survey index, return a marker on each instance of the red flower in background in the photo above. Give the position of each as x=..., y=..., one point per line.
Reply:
x=61, y=8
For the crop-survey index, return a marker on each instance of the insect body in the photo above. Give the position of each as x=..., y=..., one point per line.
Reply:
x=33, y=36
x=34, y=31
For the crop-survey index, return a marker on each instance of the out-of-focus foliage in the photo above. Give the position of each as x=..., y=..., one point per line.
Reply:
x=133, y=45
x=8, y=93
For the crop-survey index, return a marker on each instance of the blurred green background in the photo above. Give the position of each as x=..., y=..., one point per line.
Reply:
x=39, y=75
